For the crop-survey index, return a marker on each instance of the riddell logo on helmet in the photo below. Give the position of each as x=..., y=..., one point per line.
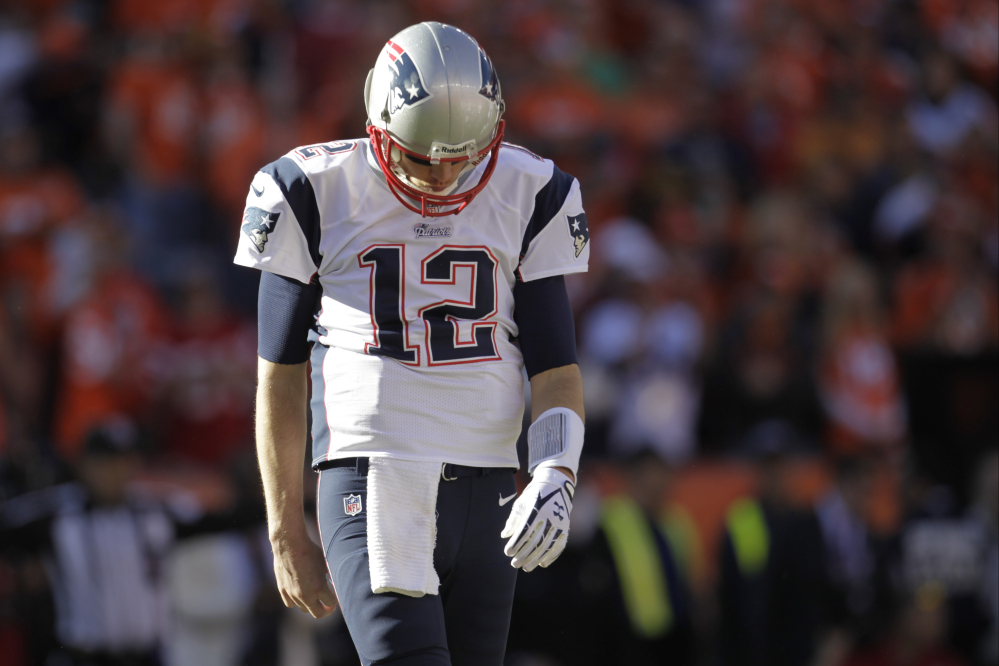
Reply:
x=456, y=150
x=406, y=87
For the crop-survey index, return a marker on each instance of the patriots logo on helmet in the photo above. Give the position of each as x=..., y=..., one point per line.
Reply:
x=257, y=223
x=579, y=231
x=490, y=82
x=406, y=87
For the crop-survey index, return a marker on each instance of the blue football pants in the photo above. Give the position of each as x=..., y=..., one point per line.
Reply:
x=467, y=622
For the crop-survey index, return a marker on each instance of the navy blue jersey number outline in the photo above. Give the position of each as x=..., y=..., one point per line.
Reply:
x=387, y=303
x=444, y=346
x=387, y=298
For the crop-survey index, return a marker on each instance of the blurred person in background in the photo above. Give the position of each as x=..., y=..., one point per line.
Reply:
x=953, y=552
x=643, y=343
x=947, y=300
x=985, y=511
x=659, y=399
x=857, y=576
x=950, y=111
x=152, y=126
x=760, y=377
x=971, y=598
x=207, y=373
x=37, y=201
x=114, y=570
x=647, y=613
x=858, y=378
x=761, y=368
x=905, y=190
x=20, y=396
x=623, y=592
x=771, y=566
x=945, y=330
x=112, y=337
x=92, y=553
x=613, y=338
x=235, y=128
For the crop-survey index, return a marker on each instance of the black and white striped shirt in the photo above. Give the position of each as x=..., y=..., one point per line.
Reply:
x=103, y=562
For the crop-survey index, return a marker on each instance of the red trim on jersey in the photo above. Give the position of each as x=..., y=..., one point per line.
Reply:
x=330, y=148
x=523, y=150
x=322, y=371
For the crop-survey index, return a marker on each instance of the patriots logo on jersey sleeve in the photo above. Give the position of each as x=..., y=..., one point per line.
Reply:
x=490, y=82
x=579, y=231
x=406, y=88
x=257, y=224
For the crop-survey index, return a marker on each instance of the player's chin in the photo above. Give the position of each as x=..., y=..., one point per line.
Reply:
x=433, y=188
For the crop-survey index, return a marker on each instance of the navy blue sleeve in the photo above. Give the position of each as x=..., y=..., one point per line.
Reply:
x=544, y=317
x=297, y=190
x=547, y=202
x=286, y=312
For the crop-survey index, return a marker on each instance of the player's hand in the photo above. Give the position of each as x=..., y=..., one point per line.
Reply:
x=538, y=525
x=300, y=569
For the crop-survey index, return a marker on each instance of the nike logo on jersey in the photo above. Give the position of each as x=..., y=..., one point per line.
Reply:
x=504, y=500
x=259, y=192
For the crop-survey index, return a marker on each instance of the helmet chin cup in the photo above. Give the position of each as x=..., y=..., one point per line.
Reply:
x=430, y=205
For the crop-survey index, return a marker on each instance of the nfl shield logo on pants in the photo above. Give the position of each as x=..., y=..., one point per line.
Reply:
x=352, y=505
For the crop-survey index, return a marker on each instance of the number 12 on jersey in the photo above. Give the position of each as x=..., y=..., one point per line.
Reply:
x=441, y=319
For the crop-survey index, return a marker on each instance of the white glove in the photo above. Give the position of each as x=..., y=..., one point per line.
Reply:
x=538, y=525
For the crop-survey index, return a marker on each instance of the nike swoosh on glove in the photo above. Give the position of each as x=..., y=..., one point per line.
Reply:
x=538, y=525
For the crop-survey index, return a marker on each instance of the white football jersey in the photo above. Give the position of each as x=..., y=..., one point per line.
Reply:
x=417, y=356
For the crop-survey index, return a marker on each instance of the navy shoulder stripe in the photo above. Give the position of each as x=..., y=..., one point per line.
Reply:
x=547, y=202
x=298, y=192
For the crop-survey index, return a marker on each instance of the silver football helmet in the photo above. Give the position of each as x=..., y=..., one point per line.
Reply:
x=434, y=95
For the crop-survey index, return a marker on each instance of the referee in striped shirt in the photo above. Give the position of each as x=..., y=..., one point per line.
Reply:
x=102, y=551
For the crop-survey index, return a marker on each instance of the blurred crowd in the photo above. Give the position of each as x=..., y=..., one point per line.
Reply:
x=789, y=334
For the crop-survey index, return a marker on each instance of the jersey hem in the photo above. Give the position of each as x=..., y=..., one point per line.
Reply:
x=384, y=454
x=552, y=272
x=271, y=268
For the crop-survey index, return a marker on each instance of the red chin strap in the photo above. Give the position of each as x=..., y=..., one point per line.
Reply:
x=382, y=144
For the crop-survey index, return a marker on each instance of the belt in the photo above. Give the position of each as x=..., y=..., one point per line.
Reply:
x=449, y=471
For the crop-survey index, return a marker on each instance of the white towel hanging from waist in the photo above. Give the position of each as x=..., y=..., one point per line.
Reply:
x=402, y=525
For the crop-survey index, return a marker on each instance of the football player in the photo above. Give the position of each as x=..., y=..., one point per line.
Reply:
x=420, y=270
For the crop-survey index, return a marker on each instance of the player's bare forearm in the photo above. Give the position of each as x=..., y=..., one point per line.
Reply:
x=281, y=439
x=299, y=564
x=557, y=387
